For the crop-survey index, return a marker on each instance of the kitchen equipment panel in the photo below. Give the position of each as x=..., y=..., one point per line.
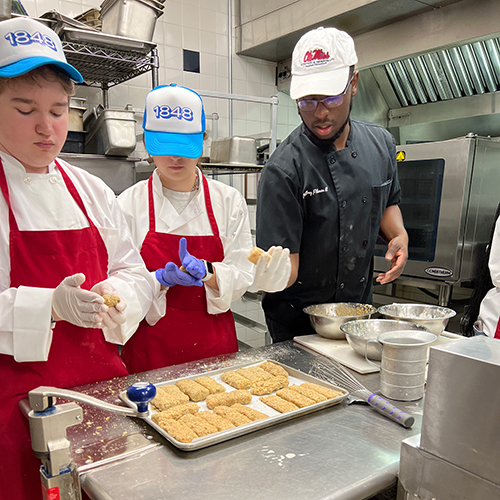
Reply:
x=449, y=199
x=462, y=405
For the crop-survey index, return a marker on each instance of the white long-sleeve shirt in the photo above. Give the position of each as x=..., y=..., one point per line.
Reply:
x=235, y=273
x=489, y=311
x=42, y=202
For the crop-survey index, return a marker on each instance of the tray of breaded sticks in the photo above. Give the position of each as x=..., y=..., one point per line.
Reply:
x=212, y=407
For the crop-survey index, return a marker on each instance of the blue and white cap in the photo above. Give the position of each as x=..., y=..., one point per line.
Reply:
x=174, y=122
x=26, y=44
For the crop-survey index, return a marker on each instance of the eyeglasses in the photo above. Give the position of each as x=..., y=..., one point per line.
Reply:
x=330, y=102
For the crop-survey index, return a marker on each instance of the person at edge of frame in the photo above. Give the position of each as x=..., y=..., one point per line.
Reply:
x=64, y=245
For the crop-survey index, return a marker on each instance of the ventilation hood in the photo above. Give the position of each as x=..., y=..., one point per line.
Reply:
x=461, y=71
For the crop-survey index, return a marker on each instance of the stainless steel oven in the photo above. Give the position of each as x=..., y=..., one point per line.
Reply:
x=450, y=192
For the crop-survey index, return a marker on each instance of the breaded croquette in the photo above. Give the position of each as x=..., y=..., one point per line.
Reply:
x=260, y=372
x=111, y=300
x=210, y=384
x=279, y=404
x=268, y=386
x=248, y=374
x=200, y=426
x=235, y=380
x=273, y=369
x=315, y=396
x=179, y=431
x=295, y=397
x=234, y=416
x=195, y=391
x=221, y=423
x=249, y=412
x=228, y=399
x=176, y=412
x=329, y=393
x=168, y=396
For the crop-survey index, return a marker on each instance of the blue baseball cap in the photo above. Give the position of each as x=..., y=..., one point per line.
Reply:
x=174, y=122
x=26, y=44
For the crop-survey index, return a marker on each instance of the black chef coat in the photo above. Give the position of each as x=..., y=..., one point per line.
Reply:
x=326, y=205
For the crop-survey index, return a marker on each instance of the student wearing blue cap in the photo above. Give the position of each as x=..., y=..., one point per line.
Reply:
x=181, y=219
x=63, y=245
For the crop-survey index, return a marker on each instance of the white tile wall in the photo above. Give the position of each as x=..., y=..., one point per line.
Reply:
x=200, y=25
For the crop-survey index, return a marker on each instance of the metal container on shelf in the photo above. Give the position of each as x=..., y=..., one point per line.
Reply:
x=110, y=132
x=5, y=9
x=130, y=18
x=77, y=109
x=234, y=151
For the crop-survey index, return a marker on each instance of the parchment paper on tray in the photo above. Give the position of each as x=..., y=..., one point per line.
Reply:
x=295, y=377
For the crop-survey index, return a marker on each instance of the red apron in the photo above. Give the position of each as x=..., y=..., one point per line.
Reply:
x=187, y=332
x=77, y=355
x=497, y=331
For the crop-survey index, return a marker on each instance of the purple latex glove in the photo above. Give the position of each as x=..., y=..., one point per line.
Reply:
x=195, y=267
x=171, y=275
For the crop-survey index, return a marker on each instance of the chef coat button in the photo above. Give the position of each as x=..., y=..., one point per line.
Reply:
x=365, y=242
x=343, y=204
x=332, y=160
x=354, y=154
x=341, y=286
x=344, y=248
x=362, y=279
x=364, y=199
x=27, y=180
x=53, y=180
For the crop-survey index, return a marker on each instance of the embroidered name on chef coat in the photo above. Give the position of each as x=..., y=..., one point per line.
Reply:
x=315, y=191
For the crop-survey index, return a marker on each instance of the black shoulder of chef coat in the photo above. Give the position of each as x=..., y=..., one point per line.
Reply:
x=326, y=205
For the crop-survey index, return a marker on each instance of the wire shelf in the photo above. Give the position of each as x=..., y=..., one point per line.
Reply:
x=106, y=66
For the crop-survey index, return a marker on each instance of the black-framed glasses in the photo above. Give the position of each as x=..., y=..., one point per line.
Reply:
x=329, y=102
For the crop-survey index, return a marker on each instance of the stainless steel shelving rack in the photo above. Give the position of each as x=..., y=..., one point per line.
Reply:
x=105, y=61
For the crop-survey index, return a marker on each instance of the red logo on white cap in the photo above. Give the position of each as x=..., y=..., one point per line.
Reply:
x=315, y=55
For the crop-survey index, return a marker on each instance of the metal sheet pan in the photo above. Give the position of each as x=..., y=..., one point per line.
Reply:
x=294, y=376
x=106, y=40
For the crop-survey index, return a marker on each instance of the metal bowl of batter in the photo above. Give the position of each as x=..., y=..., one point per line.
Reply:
x=327, y=318
x=358, y=333
x=435, y=318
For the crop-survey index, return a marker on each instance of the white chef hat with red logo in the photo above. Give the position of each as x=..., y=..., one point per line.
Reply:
x=320, y=63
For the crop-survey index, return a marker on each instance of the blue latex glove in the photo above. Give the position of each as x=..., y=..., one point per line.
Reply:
x=195, y=267
x=171, y=275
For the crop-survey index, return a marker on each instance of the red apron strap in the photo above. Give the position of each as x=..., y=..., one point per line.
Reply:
x=5, y=191
x=208, y=204
x=74, y=192
x=152, y=222
x=497, y=331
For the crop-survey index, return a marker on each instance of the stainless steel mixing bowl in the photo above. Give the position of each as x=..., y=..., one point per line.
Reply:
x=327, y=318
x=435, y=318
x=358, y=333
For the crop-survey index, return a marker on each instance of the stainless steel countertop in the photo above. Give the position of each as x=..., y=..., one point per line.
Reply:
x=346, y=452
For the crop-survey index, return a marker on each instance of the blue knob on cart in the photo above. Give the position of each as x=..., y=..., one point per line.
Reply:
x=141, y=393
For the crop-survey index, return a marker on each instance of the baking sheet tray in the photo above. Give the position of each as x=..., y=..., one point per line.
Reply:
x=275, y=417
x=106, y=40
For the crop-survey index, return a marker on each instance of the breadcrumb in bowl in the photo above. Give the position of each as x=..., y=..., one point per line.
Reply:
x=327, y=318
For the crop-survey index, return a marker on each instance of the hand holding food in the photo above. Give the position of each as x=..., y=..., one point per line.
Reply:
x=77, y=306
x=114, y=315
x=171, y=275
x=272, y=270
x=195, y=267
